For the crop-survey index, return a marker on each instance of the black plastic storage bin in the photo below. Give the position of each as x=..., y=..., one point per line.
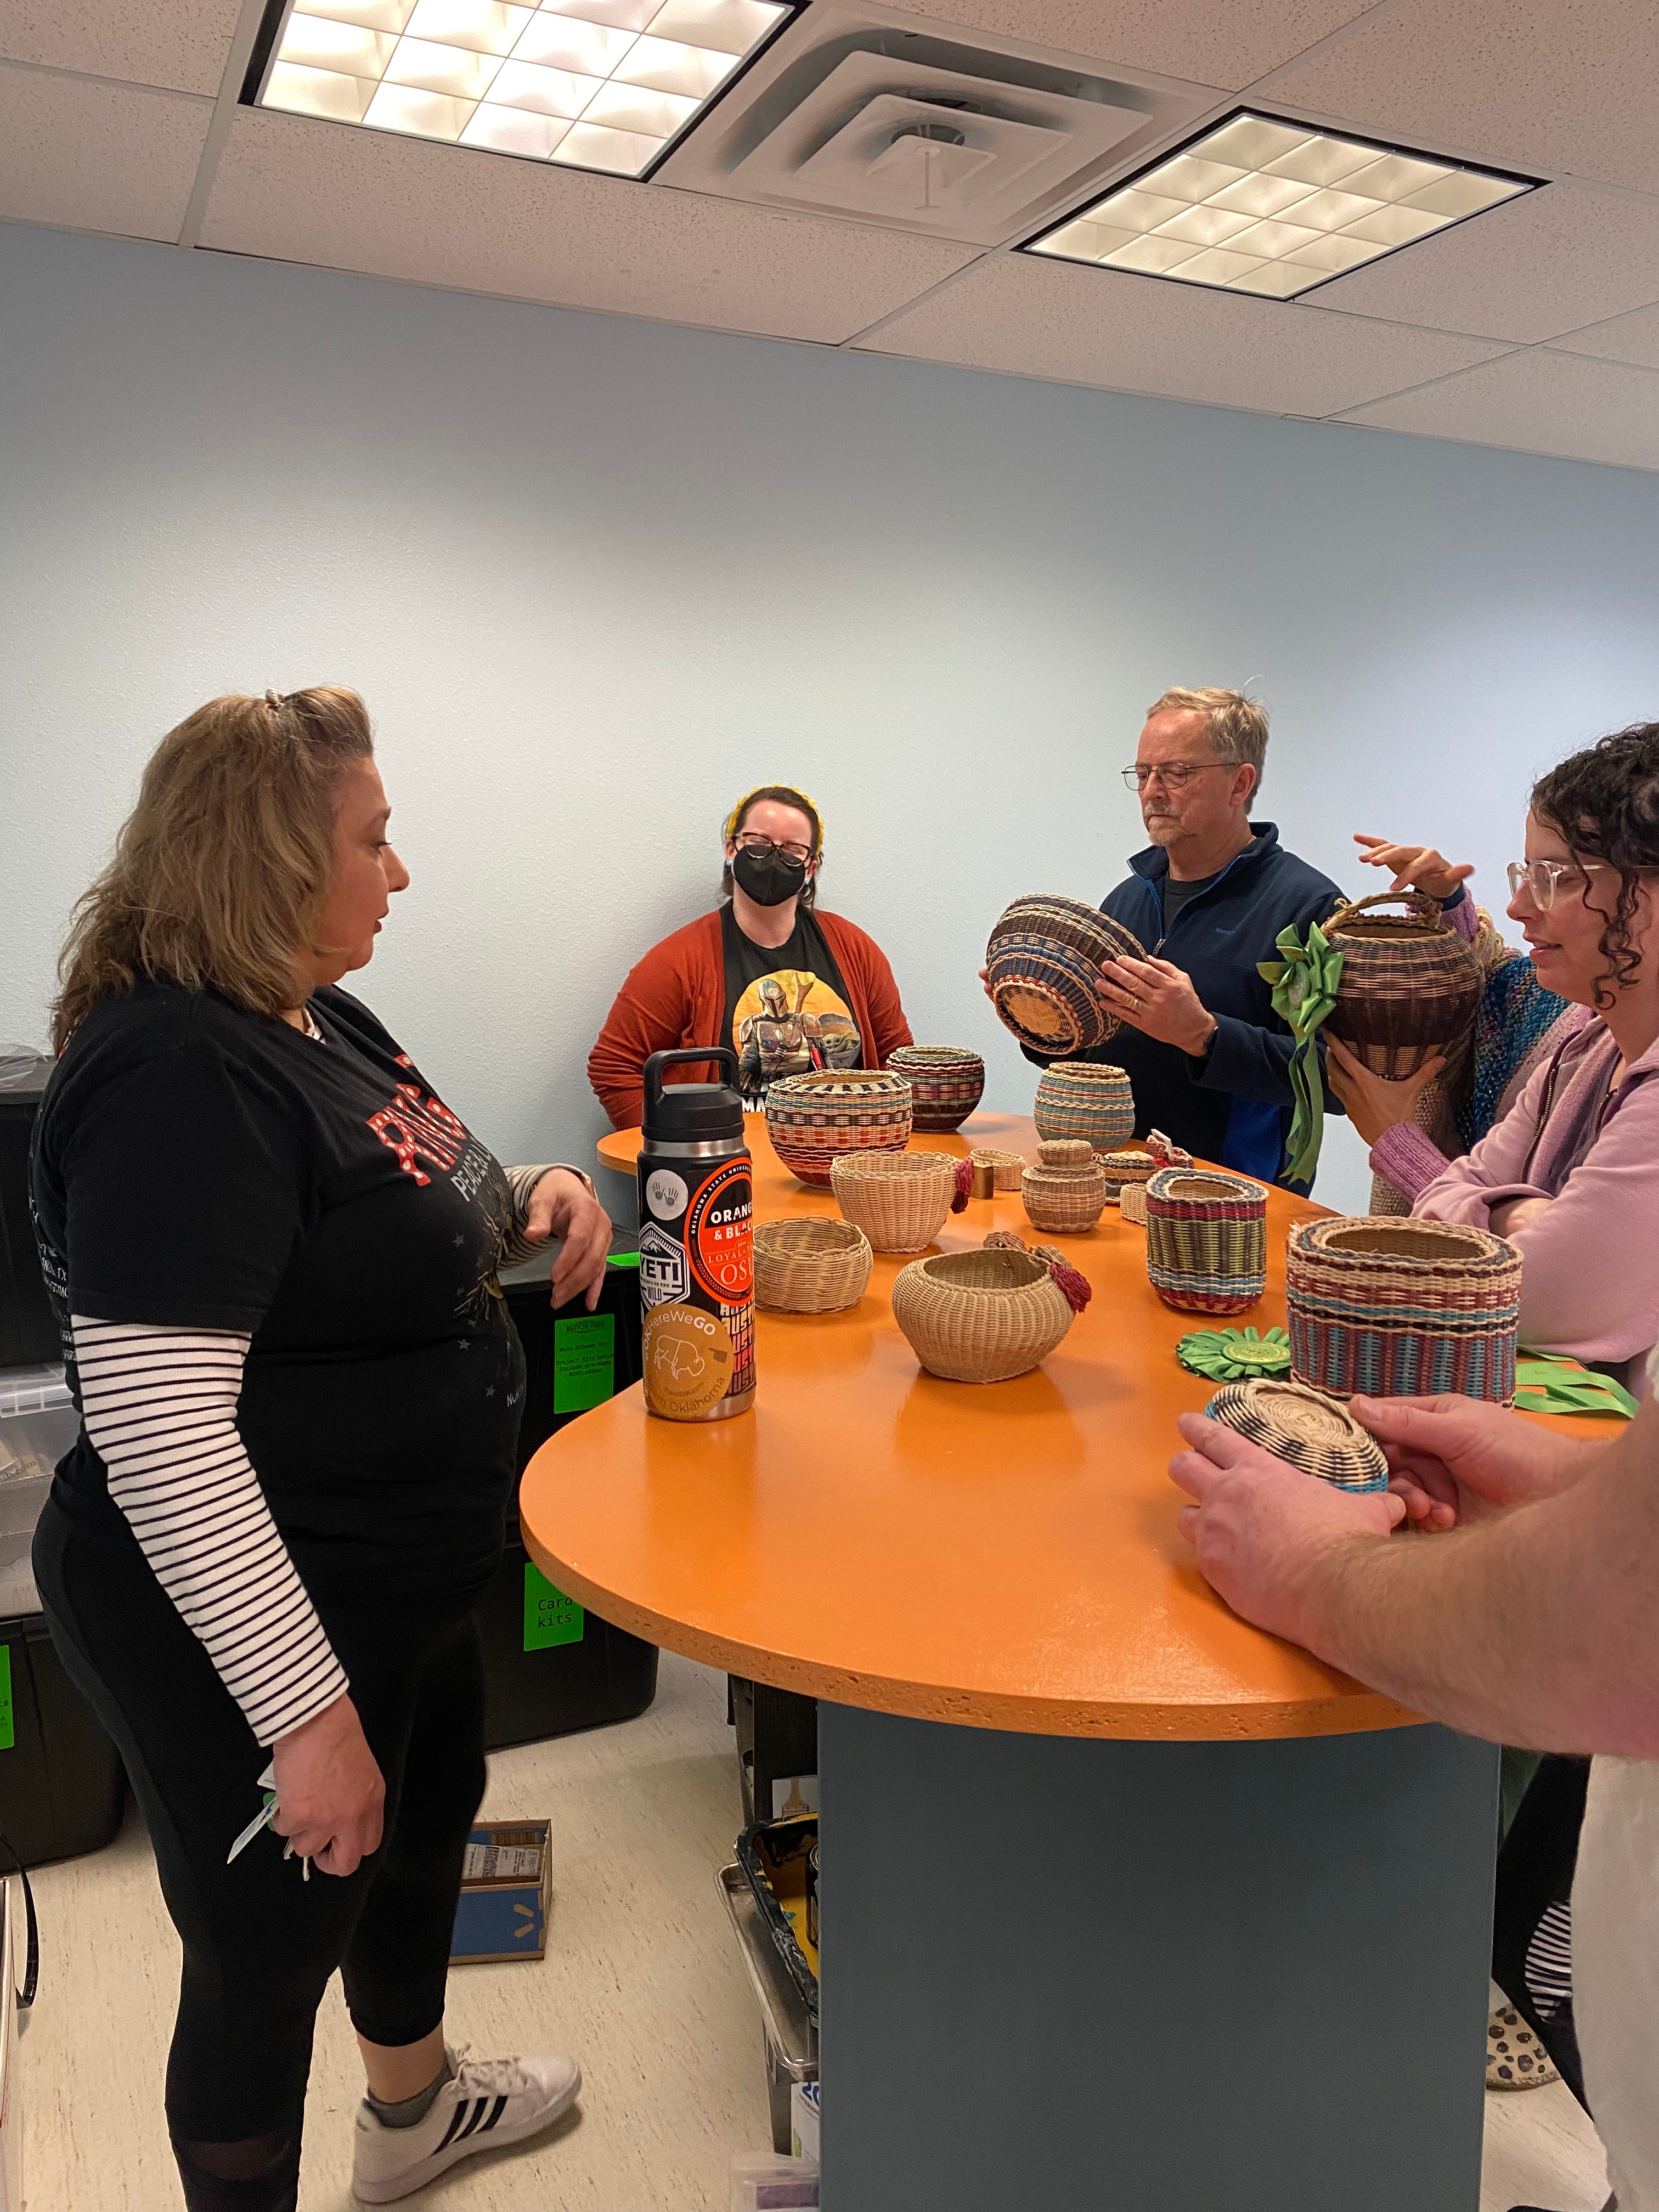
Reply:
x=549, y=1666
x=27, y=1331
x=62, y=1788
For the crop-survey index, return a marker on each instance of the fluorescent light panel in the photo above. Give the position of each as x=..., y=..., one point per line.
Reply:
x=592, y=84
x=1272, y=208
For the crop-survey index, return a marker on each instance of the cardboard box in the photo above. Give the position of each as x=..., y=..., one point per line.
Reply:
x=506, y=1889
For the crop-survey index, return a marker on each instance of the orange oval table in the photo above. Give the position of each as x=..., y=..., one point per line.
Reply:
x=1126, y=1901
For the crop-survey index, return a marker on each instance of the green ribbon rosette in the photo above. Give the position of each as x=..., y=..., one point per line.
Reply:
x=1547, y=1385
x=1304, y=991
x=1226, y=1355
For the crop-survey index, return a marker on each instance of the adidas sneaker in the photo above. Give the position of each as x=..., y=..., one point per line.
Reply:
x=488, y=2103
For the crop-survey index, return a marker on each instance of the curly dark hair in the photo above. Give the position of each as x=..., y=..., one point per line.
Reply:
x=1605, y=803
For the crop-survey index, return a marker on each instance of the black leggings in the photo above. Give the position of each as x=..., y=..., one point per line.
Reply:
x=260, y=1942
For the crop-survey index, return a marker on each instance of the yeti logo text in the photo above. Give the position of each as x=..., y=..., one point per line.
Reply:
x=662, y=1272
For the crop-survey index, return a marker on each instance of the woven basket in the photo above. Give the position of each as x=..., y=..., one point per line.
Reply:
x=1410, y=985
x=946, y=1083
x=1007, y=1167
x=1303, y=1426
x=899, y=1199
x=812, y=1119
x=982, y=1316
x=1132, y=1203
x=1206, y=1240
x=1042, y=967
x=1398, y=1308
x=807, y=1264
x=1122, y=1168
x=1087, y=1099
x=1064, y=1194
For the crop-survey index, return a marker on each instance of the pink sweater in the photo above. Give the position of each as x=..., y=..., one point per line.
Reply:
x=1589, y=1288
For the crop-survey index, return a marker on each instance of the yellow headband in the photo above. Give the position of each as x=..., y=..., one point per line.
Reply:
x=736, y=813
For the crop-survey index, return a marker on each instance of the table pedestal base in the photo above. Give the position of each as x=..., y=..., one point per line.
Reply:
x=1246, y=1977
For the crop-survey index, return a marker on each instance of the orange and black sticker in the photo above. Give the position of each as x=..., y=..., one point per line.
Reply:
x=720, y=1234
x=688, y=1361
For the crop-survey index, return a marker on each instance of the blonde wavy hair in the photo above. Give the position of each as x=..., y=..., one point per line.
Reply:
x=221, y=870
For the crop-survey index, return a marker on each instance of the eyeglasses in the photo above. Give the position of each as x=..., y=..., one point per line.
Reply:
x=1547, y=880
x=751, y=841
x=1176, y=775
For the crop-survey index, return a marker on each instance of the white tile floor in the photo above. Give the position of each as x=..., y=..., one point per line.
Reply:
x=642, y=1982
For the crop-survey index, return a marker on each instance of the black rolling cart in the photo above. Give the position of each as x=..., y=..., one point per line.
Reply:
x=551, y=1667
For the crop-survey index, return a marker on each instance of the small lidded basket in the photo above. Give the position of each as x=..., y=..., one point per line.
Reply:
x=946, y=1083
x=811, y=1118
x=1065, y=1194
x=986, y=1316
x=1206, y=1240
x=807, y=1264
x=900, y=1199
x=1305, y=1428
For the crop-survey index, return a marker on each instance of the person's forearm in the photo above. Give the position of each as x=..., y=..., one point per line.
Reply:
x=1539, y=1628
x=521, y=1181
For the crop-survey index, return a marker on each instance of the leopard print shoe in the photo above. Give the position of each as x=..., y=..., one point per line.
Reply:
x=1516, y=2059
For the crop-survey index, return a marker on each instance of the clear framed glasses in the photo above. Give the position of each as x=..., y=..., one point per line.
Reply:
x=1545, y=881
x=1175, y=776
x=751, y=840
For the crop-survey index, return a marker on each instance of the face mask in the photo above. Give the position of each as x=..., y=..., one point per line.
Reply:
x=769, y=878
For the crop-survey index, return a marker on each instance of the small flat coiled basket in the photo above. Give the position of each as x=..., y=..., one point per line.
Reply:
x=1206, y=1240
x=1393, y=1308
x=983, y=1317
x=806, y=1264
x=1304, y=1427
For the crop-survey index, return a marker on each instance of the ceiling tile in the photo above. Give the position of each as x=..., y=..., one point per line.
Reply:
x=1548, y=262
x=87, y=156
x=1627, y=337
x=1569, y=85
x=1542, y=402
x=1029, y=317
x=299, y=191
x=1227, y=42
x=180, y=44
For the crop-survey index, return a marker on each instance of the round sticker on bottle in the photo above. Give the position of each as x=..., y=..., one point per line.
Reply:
x=688, y=1361
x=719, y=1235
x=665, y=1193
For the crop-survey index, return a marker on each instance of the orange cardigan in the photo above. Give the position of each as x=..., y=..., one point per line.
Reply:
x=676, y=995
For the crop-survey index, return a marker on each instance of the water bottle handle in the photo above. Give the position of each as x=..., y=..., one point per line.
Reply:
x=679, y=1057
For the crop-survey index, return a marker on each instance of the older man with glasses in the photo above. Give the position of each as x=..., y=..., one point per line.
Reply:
x=1208, y=1057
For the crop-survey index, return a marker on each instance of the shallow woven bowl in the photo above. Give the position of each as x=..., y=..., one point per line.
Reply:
x=946, y=1083
x=1042, y=966
x=1085, y=1098
x=812, y=1119
x=806, y=1264
x=981, y=1316
x=1398, y=1308
x=1007, y=1167
x=1305, y=1427
x=899, y=1199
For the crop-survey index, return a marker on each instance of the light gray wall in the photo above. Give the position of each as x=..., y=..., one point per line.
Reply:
x=594, y=577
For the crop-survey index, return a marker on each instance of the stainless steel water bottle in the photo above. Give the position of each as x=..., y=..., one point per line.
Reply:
x=696, y=1244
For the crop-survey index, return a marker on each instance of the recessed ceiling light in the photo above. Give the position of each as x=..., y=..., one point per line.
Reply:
x=592, y=84
x=1274, y=208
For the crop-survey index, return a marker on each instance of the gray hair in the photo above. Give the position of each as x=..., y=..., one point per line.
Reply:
x=1237, y=726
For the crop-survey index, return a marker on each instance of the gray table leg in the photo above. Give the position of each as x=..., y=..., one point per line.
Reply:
x=1172, y=1976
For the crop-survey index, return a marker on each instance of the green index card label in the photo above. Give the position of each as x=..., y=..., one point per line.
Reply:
x=8, y=1733
x=549, y=1618
x=584, y=1362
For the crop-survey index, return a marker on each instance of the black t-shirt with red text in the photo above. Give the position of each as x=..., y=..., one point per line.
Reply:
x=199, y=1167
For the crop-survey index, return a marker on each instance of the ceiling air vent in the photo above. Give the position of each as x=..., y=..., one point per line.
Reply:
x=891, y=119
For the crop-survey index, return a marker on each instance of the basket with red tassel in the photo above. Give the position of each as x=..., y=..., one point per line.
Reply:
x=900, y=1199
x=986, y=1316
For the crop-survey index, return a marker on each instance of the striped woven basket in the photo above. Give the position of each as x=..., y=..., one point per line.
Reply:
x=1305, y=1427
x=1122, y=1168
x=1042, y=967
x=1065, y=1194
x=811, y=1118
x=1085, y=1098
x=946, y=1083
x=1206, y=1240
x=899, y=1199
x=1397, y=1308
x=986, y=1316
x=1410, y=985
x=807, y=1264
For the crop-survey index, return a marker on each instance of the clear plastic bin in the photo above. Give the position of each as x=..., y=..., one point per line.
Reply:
x=38, y=1426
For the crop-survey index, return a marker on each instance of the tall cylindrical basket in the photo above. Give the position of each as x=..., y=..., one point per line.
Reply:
x=1393, y=1307
x=1206, y=1240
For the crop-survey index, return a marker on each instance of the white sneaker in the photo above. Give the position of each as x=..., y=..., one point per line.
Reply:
x=491, y=2102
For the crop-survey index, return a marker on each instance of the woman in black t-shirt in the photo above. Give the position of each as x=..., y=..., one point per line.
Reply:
x=273, y=1251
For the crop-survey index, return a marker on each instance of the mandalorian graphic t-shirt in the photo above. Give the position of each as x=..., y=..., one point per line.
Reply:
x=196, y=1166
x=787, y=1009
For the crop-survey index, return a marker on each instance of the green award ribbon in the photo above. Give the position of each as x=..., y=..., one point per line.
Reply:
x=1544, y=1385
x=1226, y=1355
x=1304, y=991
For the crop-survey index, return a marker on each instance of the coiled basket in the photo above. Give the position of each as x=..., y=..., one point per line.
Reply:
x=1410, y=985
x=1042, y=967
x=811, y=1119
x=1397, y=1308
x=1085, y=1098
x=899, y=1199
x=806, y=1264
x=947, y=1083
x=1303, y=1426
x=1206, y=1240
x=985, y=1316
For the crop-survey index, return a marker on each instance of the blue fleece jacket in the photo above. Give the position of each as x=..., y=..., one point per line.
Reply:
x=1233, y=1104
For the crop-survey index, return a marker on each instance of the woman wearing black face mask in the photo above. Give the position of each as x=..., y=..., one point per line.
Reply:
x=788, y=987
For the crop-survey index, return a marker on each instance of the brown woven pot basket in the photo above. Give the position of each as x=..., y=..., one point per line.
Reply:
x=809, y=1265
x=981, y=1316
x=1409, y=987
